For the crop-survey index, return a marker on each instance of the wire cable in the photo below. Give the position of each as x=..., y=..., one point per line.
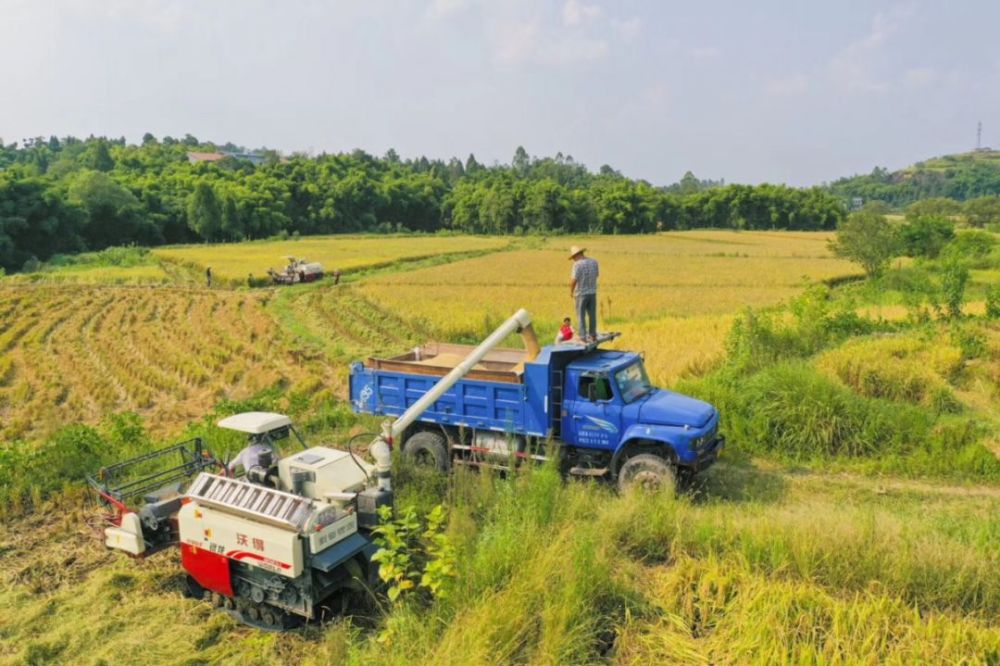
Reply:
x=354, y=457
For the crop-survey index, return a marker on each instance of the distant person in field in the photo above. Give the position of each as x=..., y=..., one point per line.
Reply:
x=565, y=333
x=208, y=276
x=583, y=287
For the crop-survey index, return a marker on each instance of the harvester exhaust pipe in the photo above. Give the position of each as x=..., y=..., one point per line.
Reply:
x=381, y=448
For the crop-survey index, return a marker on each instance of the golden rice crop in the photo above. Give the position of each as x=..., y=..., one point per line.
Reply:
x=641, y=278
x=96, y=275
x=235, y=261
x=71, y=354
x=669, y=294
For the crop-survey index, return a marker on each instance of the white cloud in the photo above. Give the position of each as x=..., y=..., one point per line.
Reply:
x=439, y=8
x=855, y=67
x=515, y=42
x=705, y=53
x=920, y=77
x=527, y=42
x=787, y=86
x=573, y=50
x=628, y=29
x=166, y=17
x=575, y=12
x=583, y=33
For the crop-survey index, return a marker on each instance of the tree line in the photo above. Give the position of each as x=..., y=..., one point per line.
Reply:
x=66, y=195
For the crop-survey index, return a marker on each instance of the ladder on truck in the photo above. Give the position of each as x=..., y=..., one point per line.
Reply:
x=555, y=403
x=252, y=500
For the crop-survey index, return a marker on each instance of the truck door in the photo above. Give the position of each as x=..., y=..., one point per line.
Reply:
x=594, y=414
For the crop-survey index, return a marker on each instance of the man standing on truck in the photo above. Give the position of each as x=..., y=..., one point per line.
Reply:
x=583, y=287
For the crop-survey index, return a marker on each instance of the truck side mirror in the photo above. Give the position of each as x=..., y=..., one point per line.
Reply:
x=592, y=392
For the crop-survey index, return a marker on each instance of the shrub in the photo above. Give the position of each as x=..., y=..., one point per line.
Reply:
x=759, y=339
x=971, y=245
x=934, y=207
x=993, y=301
x=926, y=236
x=414, y=554
x=982, y=211
x=868, y=239
x=954, y=277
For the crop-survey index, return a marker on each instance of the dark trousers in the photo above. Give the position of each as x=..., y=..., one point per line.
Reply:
x=586, y=306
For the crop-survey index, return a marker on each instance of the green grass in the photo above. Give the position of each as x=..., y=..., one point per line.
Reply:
x=757, y=565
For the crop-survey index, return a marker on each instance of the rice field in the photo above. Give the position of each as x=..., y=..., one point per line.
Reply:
x=670, y=295
x=757, y=564
x=234, y=262
x=75, y=354
x=149, y=274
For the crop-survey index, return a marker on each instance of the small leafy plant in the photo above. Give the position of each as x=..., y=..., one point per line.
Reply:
x=416, y=558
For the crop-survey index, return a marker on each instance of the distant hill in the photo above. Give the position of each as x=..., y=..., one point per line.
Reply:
x=962, y=176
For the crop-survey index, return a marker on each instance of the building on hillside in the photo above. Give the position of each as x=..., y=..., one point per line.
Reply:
x=254, y=158
x=194, y=157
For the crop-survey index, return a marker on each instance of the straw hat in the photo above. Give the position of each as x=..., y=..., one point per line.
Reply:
x=575, y=250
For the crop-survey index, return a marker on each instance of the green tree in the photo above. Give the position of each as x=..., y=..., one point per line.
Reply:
x=938, y=207
x=35, y=221
x=114, y=214
x=98, y=156
x=877, y=207
x=925, y=236
x=521, y=161
x=867, y=239
x=982, y=211
x=205, y=212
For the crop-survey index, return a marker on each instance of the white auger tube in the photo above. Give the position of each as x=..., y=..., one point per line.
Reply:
x=381, y=448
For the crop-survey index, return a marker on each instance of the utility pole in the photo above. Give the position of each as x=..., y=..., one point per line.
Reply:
x=979, y=135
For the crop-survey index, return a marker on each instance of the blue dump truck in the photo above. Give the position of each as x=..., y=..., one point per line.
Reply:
x=595, y=406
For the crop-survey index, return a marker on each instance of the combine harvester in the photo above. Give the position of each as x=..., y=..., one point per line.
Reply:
x=297, y=271
x=286, y=542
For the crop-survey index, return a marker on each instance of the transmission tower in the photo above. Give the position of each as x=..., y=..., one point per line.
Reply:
x=979, y=135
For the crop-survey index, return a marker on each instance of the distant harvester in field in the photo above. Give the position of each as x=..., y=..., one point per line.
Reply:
x=297, y=270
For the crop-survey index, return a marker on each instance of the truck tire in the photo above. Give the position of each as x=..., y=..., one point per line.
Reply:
x=647, y=471
x=428, y=448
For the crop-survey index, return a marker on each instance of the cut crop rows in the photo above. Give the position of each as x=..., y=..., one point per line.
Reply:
x=75, y=354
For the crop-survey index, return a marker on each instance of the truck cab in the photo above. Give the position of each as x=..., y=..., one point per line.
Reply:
x=611, y=410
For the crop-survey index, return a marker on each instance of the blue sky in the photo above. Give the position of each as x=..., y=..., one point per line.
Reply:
x=795, y=92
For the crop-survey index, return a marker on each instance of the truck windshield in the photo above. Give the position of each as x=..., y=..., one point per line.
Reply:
x=633, y=382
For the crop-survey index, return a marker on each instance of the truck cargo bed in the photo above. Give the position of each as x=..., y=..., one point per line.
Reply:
x=436, y=359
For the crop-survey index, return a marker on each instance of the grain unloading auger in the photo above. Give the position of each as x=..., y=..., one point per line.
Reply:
x=289, y=539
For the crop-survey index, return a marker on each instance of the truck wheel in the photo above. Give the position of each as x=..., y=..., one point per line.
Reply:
x=647, y=471
x=427, y=448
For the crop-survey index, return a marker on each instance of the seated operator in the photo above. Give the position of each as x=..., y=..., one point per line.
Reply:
x=258, y=453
